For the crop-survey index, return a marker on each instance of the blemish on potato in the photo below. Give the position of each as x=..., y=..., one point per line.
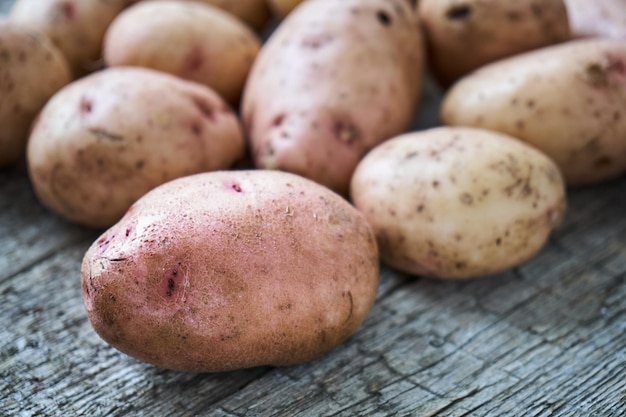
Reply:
x=602, y=162
x=103, y=134
x=68, y=10
x=316, y=41
x=204, y=108
x=196, y=129
x=278, y=120
x=384, y=18
x=345, y=132
x=466, y=199
x=86, y=105
x=172, y=281
x=596, y=75
x=194, y=59
x=459, y=12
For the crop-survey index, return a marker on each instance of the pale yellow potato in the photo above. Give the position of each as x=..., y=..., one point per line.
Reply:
x=458, y=203
x=32, y=69
x=283, y=7
x=334, y=80
x=76, y=27
x=191, y=40
x=463, y=35
x=255, y=13
x=105, y=140
x=567, y=100
x=604, y=18
x=229, y=270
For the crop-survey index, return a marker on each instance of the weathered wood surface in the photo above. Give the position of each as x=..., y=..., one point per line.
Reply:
x=546, y=339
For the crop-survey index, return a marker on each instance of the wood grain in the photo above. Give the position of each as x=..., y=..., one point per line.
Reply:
x=545, y=339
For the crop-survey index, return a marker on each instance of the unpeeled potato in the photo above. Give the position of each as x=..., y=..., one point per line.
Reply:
x=229, y=270
x=567, y=100
x=463, y=35
x=105, y=140
x=458, y=203
x=76, y=27
x=191, y=40
x=32, y=69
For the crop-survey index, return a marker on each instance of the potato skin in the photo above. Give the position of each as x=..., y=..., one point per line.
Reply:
x=604, y=18
x=463, y=35
x=105, y=140
x=191, y=40
x=32, y=71
x=76, y=27
x=458, y=203
x=255, y=13
x=228, y=270
x=334, y=80
x=567, y=100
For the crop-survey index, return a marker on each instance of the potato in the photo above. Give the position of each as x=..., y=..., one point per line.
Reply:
x=105, y=140
x=334, y=80
x=76, y=27
x=463, y=35
x=228, y=270
x=605, y=18
x=568, y=100
x=458, y=202
x=32, y=71
x=255, y=13
x=283, y=7
x=192, y=40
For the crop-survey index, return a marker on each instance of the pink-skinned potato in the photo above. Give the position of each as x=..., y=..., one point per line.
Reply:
x=335, y=79
x=103, y=141
x=32, y=70
x=194, y=41
x=76, y=27
x=597, y=18
x=234, y=269
x=255, y=13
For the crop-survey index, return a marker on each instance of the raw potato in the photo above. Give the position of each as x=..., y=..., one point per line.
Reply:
x=191, y=40
x=32, y=71
x=76, y=27
x=229, y=270
x=606, y=18
x=463, y=35
x=334, y=80
x=105, y=140
x=283, y=7
x=568, y=100
x=255, y=13
x=458, y=202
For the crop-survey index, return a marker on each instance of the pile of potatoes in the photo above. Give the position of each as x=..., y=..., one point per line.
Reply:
x=249, y=189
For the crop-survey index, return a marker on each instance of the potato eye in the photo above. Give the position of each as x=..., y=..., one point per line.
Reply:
x=383, y=18
x=459, y=12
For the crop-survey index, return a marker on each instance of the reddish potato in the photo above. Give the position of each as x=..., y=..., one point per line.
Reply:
x=105, y=140
x=334, y=80
x=194, y=41
x=229, y=270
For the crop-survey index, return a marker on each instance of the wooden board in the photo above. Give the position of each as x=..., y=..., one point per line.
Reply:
x=545, y=339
